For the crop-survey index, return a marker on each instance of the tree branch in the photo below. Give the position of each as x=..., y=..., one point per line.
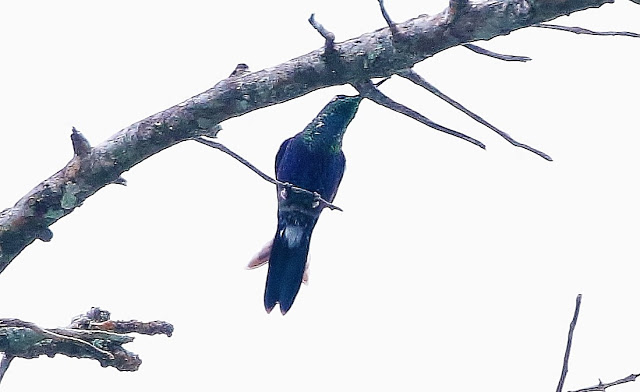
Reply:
x=329, y=37
x=390, y=23
x=420, y=81
x=223, y=148
x=499, y=56
x=91, y=335
x=4, y=365
x=369, y=91
x=601, y=387
x=580, y=30
x=572, y=327
x=371, y=55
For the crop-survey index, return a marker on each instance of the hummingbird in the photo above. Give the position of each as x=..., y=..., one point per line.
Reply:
x=312, y=160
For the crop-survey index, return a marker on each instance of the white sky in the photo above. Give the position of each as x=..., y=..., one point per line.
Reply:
x=450, y=269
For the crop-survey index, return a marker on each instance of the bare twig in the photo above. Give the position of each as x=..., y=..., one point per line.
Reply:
x=420, y=81
x=499, y=56
x=223, y=148
x=378, y=84
x=601, y=387
x=4, y=364
x=580, y=30
x=368, y=90
x=392, y=26
x=572, y=327
x=329, y=37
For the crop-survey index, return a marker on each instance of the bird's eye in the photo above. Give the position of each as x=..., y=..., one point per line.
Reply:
x=315, y=203
x=283, y=193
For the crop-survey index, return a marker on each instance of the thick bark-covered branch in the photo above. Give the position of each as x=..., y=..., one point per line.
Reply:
x=91, y=335
x=375, y=54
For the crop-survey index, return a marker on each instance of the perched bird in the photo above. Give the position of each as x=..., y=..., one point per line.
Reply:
x=312, y=160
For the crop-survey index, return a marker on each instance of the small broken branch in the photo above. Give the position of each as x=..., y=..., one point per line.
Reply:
x=499, y=56
x=91, y=335
x=420, y=81
x=601, y=387
x=329, y=37
x=572, y=327
x=239, y=70
x=580, y=30
x=81, y=146
x=369, y=91
x=223, y=148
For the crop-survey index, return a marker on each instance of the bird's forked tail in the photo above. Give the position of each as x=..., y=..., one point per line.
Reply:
x=286, y=265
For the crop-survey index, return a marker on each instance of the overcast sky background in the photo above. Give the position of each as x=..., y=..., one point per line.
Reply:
x=451, y=268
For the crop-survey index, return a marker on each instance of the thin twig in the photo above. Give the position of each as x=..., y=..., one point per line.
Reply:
x=580, y=30
x=264, y=176
x=382, y=81
x=387, y=18
x=328, y=36
x=601, y=387
x=4, y=364
x=369, y=91
x=223, y=148
x=499, y=56
x=420, y=81
x=572, y=327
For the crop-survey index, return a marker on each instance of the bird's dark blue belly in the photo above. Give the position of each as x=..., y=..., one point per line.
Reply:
x=314, y=171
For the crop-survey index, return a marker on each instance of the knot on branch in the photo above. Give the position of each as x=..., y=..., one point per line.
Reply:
x=81, y=146
x=240, y=70
x=456, y=8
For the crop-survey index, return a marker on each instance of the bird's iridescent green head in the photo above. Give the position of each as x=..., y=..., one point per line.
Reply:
x=340, y=111
x=330, y=124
